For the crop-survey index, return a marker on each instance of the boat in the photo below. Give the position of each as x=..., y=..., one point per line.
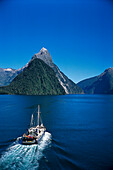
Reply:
x=34, y=133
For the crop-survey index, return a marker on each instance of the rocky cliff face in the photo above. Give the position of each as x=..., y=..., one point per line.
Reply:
x=102, y=84
x=45, y=56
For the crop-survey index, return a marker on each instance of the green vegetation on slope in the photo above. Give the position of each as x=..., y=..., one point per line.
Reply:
x=37, y=79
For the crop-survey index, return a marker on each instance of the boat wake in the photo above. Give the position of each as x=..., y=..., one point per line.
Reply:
x=19, y=156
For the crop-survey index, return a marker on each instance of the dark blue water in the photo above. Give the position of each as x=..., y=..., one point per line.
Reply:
x=79, y=132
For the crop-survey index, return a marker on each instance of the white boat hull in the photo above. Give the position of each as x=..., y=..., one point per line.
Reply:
x=35, y=140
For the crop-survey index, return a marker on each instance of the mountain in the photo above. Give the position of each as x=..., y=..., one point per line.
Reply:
x=69, y=86
x=7, y=75
x=36, y=79
x=102, y=84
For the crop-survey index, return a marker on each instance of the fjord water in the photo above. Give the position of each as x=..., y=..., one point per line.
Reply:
x=79, y=132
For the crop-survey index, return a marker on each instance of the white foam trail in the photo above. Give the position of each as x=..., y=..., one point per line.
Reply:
x=23, y=157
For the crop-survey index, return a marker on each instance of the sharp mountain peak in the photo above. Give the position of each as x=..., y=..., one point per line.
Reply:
x=43, y=49
x=44, y=55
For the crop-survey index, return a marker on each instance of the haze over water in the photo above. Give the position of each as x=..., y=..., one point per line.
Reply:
x=79, y=132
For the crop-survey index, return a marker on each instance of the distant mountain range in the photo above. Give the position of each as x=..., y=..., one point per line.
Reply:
x=102, y=84
x=49, y=79
x=7, y=75
x=40, y=76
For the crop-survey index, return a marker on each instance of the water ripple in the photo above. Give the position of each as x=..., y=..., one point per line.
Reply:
x=22, y=157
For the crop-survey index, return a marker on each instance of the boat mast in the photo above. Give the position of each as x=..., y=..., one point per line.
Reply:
x=32, y=120
x=38, y=113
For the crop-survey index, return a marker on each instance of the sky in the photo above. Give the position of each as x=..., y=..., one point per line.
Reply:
x=77, y=33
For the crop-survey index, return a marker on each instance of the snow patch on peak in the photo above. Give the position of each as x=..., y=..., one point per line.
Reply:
x=8, y=69
x=43, y=49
